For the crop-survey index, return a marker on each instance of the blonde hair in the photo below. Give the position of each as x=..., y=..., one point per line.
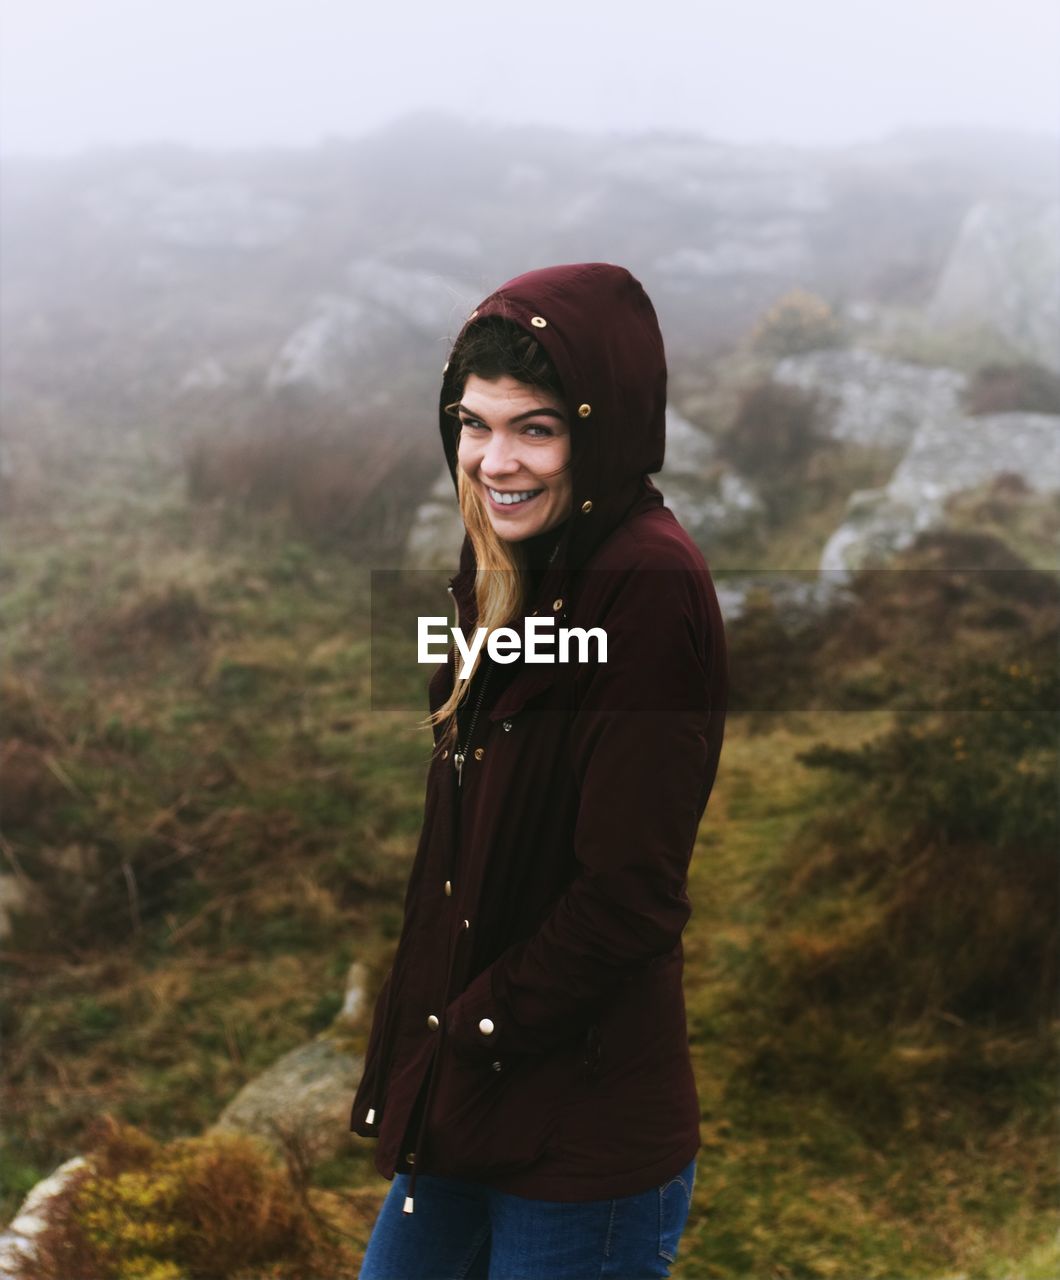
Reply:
x=500, y=591
x=494, y=347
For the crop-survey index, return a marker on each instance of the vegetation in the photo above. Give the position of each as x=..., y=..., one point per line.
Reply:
x=209, y=821
x=206, y=1207
x=1010, y=388
x=798, y=321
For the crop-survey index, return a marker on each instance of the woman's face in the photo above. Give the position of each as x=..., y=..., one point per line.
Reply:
x=515, y=449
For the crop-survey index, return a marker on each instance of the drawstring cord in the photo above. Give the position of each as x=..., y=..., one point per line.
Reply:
x=455, y=933
x=409, y=1204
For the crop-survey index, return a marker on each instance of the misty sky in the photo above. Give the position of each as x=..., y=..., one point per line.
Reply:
x=223, y=73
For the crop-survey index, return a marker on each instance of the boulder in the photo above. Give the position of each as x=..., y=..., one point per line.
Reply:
x=1003, y=272
x=303, y=1099
x=946, y=455
x=869, y=399
x=385, y=320
x=18, y=1240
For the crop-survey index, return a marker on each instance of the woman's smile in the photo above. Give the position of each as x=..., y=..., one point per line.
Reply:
x=510, y=498
x=515, y=449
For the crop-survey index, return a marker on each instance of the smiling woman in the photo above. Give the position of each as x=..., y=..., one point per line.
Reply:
x=527, y=1073
x=515, y=449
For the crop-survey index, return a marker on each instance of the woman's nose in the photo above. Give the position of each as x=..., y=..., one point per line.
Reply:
x=501, y=456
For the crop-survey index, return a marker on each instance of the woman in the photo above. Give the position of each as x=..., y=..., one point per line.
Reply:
x=527, y=1073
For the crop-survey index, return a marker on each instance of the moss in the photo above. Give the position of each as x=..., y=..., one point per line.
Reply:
x=197, y=1207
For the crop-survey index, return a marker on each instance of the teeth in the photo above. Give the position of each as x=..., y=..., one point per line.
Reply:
x=511, y=499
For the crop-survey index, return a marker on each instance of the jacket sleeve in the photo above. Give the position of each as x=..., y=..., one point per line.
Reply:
x=641, y=754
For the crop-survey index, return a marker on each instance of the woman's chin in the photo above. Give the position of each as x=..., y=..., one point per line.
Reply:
x=505, y=530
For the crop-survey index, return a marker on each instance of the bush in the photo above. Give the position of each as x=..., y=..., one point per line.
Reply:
x=1013, y=388
x=928, y=884
x=774, y=433
x=798, y=321
x=198, y=1207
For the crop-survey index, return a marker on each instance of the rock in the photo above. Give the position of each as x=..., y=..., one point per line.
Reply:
x=945, y=456
x=206, y=375
x=303, y=1100
x=799, y=597
x=437, y=530
x=360, y=339
x=1004, y=272
x=14, y=897
x=709, y=499
x=353, y=1001
x=871, y=400
x=17, y=1246
x=319, y=354
x=775, y=248
x=223, y=215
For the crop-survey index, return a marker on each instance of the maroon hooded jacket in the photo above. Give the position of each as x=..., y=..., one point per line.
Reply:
x=531, y=1032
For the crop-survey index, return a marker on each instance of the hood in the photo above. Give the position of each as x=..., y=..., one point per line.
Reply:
x=601, y=332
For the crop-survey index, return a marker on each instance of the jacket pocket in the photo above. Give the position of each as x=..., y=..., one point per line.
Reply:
x=494, y=1117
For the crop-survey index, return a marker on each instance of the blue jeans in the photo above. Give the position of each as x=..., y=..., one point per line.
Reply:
x=462, y=1230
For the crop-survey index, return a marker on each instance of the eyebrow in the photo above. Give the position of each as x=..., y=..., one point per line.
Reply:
x=519, y=417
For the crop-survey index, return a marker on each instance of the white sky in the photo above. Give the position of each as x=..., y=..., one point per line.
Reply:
x=224, y=73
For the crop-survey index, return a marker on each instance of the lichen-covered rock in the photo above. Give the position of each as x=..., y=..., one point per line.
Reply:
x=384, y=316
x=437, y=530
x=709, y=499
x=17, y=1241
x=1004, y=272
x=946, y=455
x=302, y=1100
x=869, y=399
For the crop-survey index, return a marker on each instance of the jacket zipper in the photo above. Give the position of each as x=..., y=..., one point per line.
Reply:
x=460, y=754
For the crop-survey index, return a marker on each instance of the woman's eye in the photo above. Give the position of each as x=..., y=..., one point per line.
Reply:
x=534, y=426
x=471, y=422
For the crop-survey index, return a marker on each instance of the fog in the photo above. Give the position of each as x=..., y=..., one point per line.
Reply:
x=248, y=73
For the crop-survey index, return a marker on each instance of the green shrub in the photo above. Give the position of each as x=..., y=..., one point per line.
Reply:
x=798, y=321
x=926, y=883
x=1013, y=388
x=980, y=770
x=195, y=1208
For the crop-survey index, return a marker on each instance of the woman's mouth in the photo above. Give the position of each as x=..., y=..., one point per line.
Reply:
x=504, y=498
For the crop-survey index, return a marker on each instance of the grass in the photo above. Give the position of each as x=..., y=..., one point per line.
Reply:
x=793, y=1179
x=245, y=753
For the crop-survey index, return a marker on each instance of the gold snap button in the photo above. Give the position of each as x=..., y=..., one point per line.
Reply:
x=432, y=1021
x=538, y=322
x=486, y=1026
x=411, y=1157
x=557, y=604
x=584, y=410
x=479, y=752
x=587, y=506
x=449, y=888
